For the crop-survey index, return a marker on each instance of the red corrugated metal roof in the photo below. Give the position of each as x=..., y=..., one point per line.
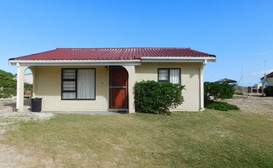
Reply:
x=112, y=53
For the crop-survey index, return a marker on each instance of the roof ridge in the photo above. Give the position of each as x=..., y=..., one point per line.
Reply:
x=128, y=48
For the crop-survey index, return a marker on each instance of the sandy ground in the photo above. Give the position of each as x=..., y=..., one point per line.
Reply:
x=10, y=157
x=255, y=104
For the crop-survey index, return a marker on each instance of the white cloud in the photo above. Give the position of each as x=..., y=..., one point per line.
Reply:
x=258, y=74
x=264, y=53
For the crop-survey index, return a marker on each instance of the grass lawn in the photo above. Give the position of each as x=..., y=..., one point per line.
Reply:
x=205, y=139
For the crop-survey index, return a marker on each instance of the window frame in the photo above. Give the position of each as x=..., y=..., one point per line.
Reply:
x=169, y=69
x=76, y=83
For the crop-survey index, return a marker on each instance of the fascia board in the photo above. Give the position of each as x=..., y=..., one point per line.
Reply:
x=74, y=62
x=178, y=59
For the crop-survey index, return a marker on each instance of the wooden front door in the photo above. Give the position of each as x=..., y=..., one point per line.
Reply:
x=118, y=88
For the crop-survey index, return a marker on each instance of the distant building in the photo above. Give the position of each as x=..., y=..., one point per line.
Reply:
x=259, y=85
x=268, y=80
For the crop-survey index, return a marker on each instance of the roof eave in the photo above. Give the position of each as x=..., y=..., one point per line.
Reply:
x=108, y=62
x=178, y=59
x=73, y=62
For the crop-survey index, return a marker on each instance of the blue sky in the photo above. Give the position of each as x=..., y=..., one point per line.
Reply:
x=238, y=32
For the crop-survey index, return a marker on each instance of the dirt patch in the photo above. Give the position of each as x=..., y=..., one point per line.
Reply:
x=9, y=156
x=7, y=105
x=255, y=104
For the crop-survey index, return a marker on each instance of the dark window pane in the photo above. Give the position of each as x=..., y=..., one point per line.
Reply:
x=69, y=74
x=163, y=75
x=69, y=85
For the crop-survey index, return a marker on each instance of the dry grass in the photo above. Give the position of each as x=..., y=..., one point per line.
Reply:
x=207, y=139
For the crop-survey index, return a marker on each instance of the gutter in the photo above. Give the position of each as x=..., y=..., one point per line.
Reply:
x=109, y=62
x=73, y=62
x=178, y=59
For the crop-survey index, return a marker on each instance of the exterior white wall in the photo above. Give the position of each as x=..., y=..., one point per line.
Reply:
x=131, y=83
x=48, y=87
x=190, y=77
x=20, y=87
x=270, y=81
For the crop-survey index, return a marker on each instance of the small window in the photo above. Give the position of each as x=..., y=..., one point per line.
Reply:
x=78, y=84
x=172, y=75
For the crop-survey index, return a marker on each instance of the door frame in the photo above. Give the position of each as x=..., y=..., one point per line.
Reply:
x=110, y=87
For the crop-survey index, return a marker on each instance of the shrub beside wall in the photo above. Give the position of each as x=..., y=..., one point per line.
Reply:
x=268, y=91
x=216, y=90
x=157, y=97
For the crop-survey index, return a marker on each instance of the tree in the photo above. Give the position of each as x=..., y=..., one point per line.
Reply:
x=7, y=84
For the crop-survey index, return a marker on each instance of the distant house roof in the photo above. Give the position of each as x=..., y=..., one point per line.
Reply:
x=270, y=75
x=226, y=80
x=112, y=54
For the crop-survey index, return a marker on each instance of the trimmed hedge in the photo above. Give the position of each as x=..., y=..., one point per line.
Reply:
x=157, y=97
x=218, y=90
x=222, y=106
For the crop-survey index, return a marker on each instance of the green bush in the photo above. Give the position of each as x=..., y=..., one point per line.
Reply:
x=157, y=97
x=28, y=86
x=8, y=83
x=217, y=90
x=268, y=91
x=222, y=106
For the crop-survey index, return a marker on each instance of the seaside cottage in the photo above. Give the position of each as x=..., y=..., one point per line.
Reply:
x=102, y=79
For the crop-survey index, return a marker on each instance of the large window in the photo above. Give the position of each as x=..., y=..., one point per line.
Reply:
x=172, y=75
x=78, y=84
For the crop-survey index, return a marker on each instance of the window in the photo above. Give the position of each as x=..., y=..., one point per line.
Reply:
x=172, y=75
x=78, y=84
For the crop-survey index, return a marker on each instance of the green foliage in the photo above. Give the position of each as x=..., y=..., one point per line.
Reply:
x=157, y=97
x=222, y=106
x=268, y=91
x=8, y=82
x=28, y=86
x=218, y=90
x=7, y=79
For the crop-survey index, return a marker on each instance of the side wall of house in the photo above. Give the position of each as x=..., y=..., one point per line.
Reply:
x=190, y=77
x=48, y=87
x=270, y=81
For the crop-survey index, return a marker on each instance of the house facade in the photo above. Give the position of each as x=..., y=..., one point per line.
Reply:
x=268, y=79
x=102, y=79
